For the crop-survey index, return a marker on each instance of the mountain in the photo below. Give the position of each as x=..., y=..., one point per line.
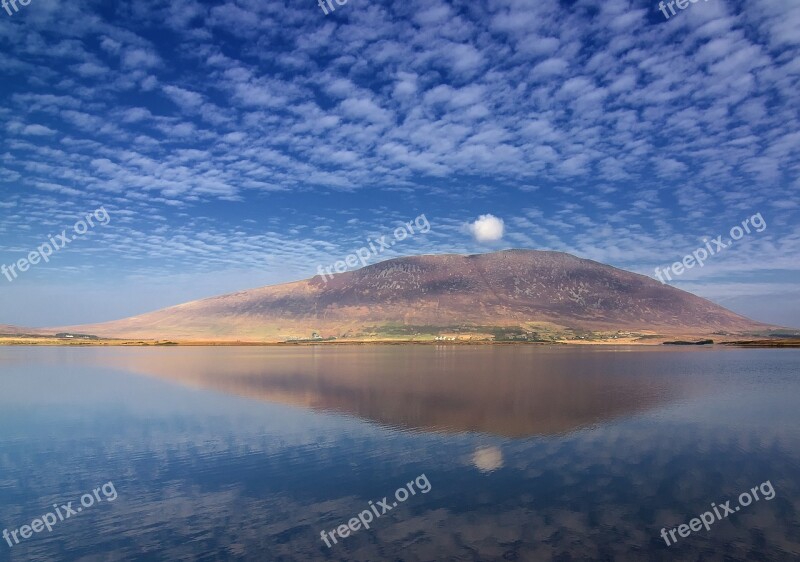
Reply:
x=515, y=290
x=8, y=330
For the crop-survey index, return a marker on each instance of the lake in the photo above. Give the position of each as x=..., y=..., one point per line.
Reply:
x=493, y=452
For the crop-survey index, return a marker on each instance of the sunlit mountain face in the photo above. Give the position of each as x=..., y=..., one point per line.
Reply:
x=521, y=289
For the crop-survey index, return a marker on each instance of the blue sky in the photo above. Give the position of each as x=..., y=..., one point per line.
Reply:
x=244, y=143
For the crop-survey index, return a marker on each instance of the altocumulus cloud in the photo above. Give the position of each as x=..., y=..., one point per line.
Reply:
x=488, y=228
x=197, y=150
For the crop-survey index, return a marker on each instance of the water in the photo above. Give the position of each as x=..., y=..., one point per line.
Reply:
x=531, y=453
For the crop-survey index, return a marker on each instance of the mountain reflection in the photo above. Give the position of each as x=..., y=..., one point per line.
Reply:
x=530, y=390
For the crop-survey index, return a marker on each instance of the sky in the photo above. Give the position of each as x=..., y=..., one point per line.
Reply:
x=219, y=146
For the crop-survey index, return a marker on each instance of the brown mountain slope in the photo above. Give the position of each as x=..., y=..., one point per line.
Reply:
x=9, y=330
x=508, y=288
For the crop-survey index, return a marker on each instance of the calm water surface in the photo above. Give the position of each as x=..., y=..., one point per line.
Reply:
x=532, y=453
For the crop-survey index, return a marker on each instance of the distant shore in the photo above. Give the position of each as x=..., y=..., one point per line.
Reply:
x=649, y=342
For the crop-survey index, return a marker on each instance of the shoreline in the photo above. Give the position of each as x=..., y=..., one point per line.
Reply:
x=44, y=341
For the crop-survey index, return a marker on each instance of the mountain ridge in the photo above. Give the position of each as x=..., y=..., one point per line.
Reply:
x=514, y=289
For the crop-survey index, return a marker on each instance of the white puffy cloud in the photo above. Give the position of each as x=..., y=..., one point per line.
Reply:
x=488, y=228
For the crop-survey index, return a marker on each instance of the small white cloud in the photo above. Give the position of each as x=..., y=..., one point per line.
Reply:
x=149, y=83
x=140, y=58
x=38, y=130
x=488, y=228
x=183, y=98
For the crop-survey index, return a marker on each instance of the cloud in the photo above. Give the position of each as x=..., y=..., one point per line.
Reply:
x=140, y=58
x=488, y=228
x=38, y=130
x=183, y=98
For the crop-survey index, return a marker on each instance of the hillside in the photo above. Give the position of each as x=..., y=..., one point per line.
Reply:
x=523, y=290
